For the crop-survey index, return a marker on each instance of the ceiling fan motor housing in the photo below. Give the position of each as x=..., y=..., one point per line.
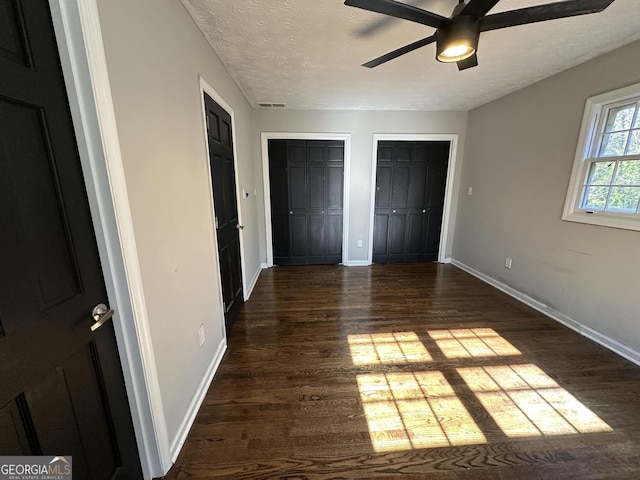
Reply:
x=461, y=30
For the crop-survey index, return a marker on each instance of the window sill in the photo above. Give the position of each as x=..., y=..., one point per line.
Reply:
x=604, y=220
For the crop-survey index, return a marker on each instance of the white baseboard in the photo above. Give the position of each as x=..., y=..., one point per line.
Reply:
x=590, y=333
x=197, y=400
x=356, y=263
x=264, y=265
x=252, y=284
x=447, y=260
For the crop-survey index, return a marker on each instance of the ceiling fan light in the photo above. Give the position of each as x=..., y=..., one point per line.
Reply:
x=458, y=40
x=456, y=52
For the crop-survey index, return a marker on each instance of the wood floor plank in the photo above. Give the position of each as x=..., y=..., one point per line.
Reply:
x=384, y=372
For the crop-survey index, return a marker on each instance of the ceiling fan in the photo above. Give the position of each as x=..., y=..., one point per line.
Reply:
x=457, y=37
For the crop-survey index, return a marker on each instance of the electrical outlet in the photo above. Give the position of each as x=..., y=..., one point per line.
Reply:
x=507, y=262
x=201, y=334
x=359, y=243
x=470, y=191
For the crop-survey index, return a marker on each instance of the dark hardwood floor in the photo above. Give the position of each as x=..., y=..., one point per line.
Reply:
x=409, y=371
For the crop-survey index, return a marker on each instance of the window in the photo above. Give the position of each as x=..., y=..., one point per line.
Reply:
x=605, y=181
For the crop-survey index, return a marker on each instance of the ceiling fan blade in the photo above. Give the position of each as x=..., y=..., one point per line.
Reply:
x=470, y=62
x=400, y=51
x=399, y=10
x=383, y=22
x=478, y=8
x=541, y=13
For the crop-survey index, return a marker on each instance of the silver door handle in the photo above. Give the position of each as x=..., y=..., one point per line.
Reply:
x=239, y=227
x=101, y=313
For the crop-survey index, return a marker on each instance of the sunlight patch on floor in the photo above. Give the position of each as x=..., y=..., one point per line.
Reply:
x=524, y=402
x=412, y=410
x=387, y=348
x=472, y=342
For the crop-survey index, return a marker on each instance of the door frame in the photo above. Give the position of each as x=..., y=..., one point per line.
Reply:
x=448, y=195
x=84, y=67
x=346, y=182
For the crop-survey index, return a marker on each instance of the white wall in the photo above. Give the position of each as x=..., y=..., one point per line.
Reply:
x=362, y=125
x=518, y=158
x=155, y=55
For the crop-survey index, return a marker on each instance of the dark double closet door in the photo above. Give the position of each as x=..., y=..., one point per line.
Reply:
x=306, y=183
x=410, y=190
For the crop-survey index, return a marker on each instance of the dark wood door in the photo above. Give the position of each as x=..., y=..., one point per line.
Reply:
x=223, y=180
x=306, y=183
x=410, y=187
x=62, y=390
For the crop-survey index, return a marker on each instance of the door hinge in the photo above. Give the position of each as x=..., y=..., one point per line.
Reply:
x=216, y=223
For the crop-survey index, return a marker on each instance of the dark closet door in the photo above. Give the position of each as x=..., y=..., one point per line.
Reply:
x=410, y=186
x=61, y=386
x=306, y=183
x=226, y=208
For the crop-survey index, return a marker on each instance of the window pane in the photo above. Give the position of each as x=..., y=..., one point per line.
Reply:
x=595, y=198
x=628, y=173
x=624, y=199
x=613, y=144
x=634, y=143
x=620, y=118
x=601, y=173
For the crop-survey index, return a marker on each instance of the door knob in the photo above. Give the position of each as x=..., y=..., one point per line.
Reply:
x=101, y=313
x=239, y=227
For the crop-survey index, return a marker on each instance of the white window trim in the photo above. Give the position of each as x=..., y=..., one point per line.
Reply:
x=572, y=211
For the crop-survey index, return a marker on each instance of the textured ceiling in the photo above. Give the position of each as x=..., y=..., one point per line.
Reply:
x=307, y=53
